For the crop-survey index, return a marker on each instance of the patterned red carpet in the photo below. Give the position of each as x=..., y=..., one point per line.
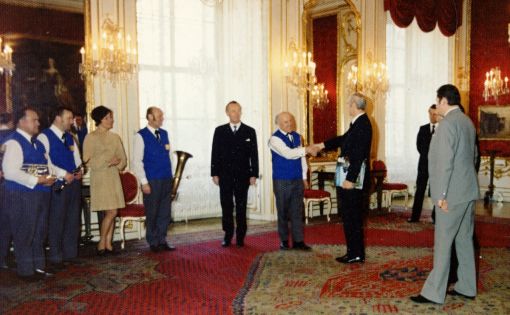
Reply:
x=203, y=278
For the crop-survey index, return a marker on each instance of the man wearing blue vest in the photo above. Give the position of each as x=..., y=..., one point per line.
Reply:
x=64, y=217
x=289, y=180
x=27, y=192
x=6, y=129
x=152, y=165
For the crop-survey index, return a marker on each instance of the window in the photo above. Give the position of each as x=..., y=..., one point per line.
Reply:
x=418, y=64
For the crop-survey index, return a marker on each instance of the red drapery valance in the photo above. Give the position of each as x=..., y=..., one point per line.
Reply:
x=446, y=13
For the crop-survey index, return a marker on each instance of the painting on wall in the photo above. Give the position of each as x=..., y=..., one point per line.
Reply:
x=47, y=76
x=494, y=122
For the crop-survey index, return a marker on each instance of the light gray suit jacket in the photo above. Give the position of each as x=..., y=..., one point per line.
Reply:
x=452, y=157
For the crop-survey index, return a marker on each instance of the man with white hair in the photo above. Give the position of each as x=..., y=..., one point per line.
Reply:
x=289, y=180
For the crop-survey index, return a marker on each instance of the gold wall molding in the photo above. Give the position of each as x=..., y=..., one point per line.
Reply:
x=348, y=19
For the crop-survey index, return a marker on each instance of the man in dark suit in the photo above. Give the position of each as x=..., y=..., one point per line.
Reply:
x=234, y=167
x=354, y=147
x=422, y=144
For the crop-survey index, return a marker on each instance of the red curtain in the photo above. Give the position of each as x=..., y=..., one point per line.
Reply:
x=446, y=13
x=324, y=55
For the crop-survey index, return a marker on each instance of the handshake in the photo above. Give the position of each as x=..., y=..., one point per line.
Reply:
x=313, y=149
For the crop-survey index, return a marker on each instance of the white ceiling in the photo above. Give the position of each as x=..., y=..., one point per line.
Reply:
x=64, y=5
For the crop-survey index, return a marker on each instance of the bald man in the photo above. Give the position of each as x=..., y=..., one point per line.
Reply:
x=289, y=180
x=153, y=167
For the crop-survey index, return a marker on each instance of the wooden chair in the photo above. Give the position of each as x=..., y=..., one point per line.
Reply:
x=390, y=189
x=315, y=195
x=132, y=212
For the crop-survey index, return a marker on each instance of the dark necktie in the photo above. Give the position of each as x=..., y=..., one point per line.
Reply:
x=32, y=140
x=64, y=139
x=289, y=136
x=433, y=129
x=158, y=136
x=235, y=129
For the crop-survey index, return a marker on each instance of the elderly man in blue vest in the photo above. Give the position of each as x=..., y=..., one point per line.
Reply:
x=289, y=180
x=27, y=192
x=64, y=217
x=152, y=165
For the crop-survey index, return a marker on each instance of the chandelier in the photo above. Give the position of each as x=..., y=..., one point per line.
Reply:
x=6, y=64
x=493, y=85
x=113, y=57
x=319, y=96
x=300, y=72
x=371, y=82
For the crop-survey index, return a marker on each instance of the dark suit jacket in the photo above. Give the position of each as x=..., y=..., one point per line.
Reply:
x=355, y=144
x=423, y=144
x=234, y=155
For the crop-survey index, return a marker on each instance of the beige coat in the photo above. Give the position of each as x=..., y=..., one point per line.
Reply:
x=99, y=147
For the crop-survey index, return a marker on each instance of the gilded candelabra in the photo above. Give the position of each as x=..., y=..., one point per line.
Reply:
x=6, y=64
x=114, y=56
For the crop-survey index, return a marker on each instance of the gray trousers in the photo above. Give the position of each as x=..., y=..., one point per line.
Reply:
x=158, y=211
x=289, y=204
x=64, y=223
x=27, y=213
x=457, y=226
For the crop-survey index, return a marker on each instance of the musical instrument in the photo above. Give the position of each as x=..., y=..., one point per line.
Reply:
x=182, y=158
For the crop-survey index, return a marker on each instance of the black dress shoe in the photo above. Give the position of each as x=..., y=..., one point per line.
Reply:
x=411, y=220
x=111, y=252
x=100, y=252
x=166, y=247
x=352, y=260
x=284, y=245
x=225, y=244
x=46, y=273
x=301, y=246
x=240, y=243
x=154, y=249
x=341, y=259
x=455, y=293
x=421, y=299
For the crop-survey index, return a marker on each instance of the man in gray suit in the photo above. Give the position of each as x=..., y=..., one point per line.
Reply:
x=454, y=189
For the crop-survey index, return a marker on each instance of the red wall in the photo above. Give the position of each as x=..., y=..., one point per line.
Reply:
x=324, y=55
x=489, y=48
x=37, y=23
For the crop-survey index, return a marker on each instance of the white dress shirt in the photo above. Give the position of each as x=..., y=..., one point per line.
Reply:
x=13, y=161
x=236, y=126
x=59, y=172
x=138, y=152
x=279, y=147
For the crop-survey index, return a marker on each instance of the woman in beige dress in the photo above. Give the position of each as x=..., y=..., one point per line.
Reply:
x=104, y=154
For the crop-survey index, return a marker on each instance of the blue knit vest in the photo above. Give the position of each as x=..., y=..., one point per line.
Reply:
x=31, y=155
x=156, y=157
x=61, y=154
x=283, y=168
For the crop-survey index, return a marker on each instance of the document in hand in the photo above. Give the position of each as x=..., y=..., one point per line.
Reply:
x=342, y=168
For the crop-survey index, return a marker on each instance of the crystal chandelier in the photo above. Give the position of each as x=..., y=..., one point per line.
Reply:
x=371, y=82
x=319, y=96
x=6, y=64
x=493, y=85
x=300, y=72
x=113, y=57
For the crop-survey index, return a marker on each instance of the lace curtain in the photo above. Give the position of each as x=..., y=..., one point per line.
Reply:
x=193, y=60
x=418, y=64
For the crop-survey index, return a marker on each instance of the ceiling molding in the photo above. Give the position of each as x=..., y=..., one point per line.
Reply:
x=75, y=6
